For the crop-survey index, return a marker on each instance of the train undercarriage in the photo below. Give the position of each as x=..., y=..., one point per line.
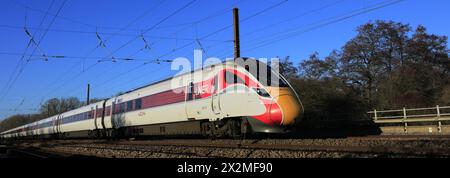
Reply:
x=225, y=128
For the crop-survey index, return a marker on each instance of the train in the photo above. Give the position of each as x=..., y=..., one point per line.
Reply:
x=223, y=100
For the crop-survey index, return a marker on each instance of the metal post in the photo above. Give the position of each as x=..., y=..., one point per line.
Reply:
x=237, y=46
x=438, y=114
x=88, y=93
x=375, y=113
x=404, y=120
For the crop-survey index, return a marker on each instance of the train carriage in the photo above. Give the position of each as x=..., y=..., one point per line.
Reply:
x=228, y=99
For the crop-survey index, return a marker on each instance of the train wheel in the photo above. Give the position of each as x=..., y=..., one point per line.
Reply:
x=206, y=129
x=234, y=128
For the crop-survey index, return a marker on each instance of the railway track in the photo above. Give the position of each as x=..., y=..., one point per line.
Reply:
x=30, y=153
x=18, y=153
x=386, y=146
x=249, y=149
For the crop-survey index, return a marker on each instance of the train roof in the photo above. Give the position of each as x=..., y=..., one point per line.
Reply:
x=227, y=62
x=170, y=78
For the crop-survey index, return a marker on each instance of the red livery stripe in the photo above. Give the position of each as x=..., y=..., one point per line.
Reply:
x=163, y=98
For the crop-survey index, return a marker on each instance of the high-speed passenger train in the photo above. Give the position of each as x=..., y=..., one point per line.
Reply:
x=227, y=99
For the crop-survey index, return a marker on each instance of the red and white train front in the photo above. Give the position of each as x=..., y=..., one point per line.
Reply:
x=262, y=97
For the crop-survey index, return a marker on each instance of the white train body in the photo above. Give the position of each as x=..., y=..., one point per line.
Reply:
x=197, y=101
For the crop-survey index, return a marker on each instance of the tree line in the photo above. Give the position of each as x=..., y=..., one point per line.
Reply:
x=387, y=65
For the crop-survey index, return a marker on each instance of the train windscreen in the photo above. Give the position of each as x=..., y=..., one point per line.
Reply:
x=265, y=75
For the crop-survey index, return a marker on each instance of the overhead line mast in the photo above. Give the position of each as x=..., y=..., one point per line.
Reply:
x=237, y=47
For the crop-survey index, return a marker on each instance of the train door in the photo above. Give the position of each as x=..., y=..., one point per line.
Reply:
x=104, y=113
x=95, y=117
x=58, y=124
x=215, y=97
x=190, y=107
x=54, y=125
x=113, y=115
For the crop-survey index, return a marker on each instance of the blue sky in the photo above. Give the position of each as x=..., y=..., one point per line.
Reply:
x=73, y=34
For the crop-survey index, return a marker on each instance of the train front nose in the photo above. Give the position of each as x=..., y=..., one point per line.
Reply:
x=289, y=105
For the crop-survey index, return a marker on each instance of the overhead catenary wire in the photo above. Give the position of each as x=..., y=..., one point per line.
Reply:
x=32, y=41
x=295, y=32
x=273, y=25
x=129, y=81
x=198, y=21
x=96, y=25
x=37, y=45
x=94, y=49
x=19, y=67
x=128, y=71
x=218, y=13
x=206, y=36
x=226, y=27
x=286, y=34
x=127, y=43
x=116, y=34
x=152, y=27
x=133, y=79
x=54, y=15
x=49, y=26
x=121, y=29
x=276, y=37
x=62, y=57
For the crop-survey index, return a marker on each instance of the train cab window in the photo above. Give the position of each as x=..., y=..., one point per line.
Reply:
x=231, y=78
x=138, y=104
x=266, y=76
x=129, y=105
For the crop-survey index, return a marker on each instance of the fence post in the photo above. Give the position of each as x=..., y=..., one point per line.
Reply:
x=439, y=119
x=375, y=113
x=404, y=120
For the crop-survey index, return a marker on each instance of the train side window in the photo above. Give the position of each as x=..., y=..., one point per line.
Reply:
x=138, y=104
x=122, y=107
x=108, y=110
x=129, y=105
